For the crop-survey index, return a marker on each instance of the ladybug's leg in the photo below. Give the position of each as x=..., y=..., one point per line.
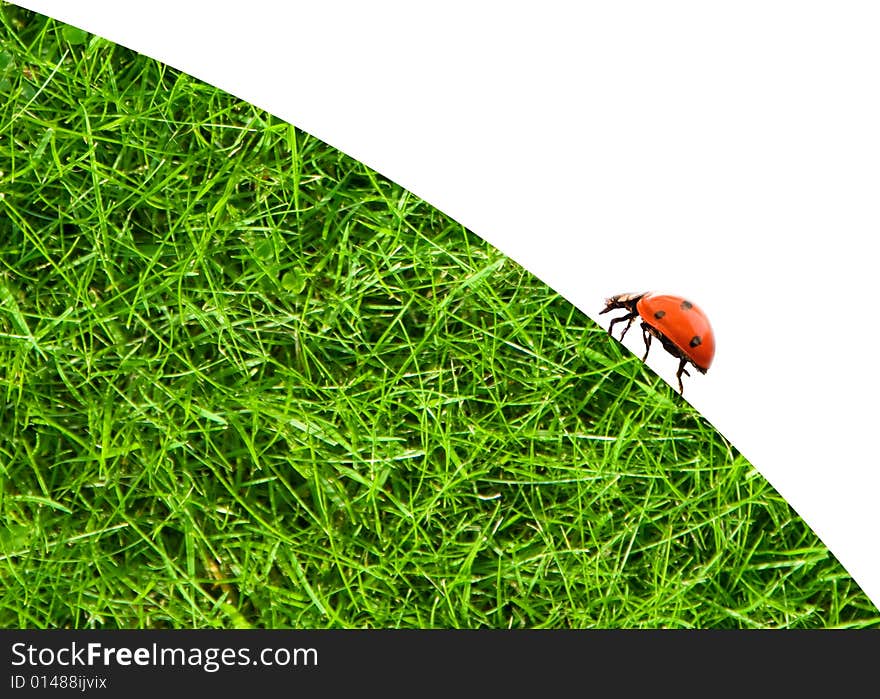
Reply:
x=629, y=316
x=681, y=370
x=646, y=336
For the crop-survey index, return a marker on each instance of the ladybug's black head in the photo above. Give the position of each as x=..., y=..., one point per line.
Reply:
x=627, y=301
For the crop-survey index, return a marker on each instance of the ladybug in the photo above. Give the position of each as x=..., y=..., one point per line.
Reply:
x=681, y=326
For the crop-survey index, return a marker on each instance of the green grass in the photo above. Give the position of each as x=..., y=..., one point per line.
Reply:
x=248, y=382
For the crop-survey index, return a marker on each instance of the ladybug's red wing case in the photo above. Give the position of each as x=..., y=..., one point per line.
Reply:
x=683, y=323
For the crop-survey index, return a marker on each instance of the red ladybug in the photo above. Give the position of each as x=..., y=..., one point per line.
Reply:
x=682, y=327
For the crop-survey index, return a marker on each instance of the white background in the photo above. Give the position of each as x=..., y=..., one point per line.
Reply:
x=729, y=152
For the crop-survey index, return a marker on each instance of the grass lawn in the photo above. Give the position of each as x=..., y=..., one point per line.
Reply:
x=248, y=382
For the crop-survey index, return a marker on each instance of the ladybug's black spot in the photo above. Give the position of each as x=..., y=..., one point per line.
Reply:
x=686, y=306
x=659, y=314
x=696, y=341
